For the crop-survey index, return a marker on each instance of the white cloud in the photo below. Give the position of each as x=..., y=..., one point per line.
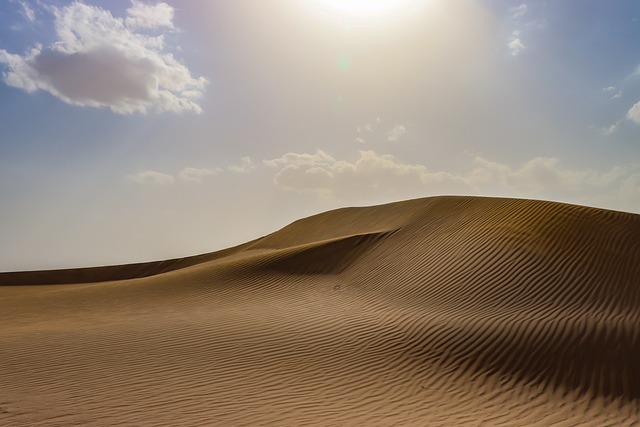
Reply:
x=27, y=11
x=141, y=15
x=372, y=172
x=610, y=129
x=369, y=127
x=320, y=157
x=196, y=174
x=535, y=176
x=519, y=11
x=245, y=165
x=360, y=140
x=383, y=176
x=612, y=89
x=365, y=128
x=634, y=113
x=516, y=47
x=100, y=60
x=396, y=133
x=544, y=176
x=322, y=173
x=152, y=177
x=547, y=178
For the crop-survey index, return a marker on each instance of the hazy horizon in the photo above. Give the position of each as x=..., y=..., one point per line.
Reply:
x=135, y=131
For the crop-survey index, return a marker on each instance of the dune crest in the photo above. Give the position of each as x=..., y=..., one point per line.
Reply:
x=437, y=311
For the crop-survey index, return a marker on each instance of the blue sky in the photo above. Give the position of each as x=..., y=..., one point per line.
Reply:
x=135, y=130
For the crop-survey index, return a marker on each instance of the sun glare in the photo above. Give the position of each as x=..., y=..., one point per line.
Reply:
x=366, y=11
x=364, y=7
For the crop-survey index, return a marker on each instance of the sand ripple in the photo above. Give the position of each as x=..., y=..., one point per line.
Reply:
x=439, y=311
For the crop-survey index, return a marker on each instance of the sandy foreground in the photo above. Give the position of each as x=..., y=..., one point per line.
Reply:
x=440, y=311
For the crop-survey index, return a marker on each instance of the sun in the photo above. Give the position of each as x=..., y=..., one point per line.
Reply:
x=362, y=8
x=366, y=11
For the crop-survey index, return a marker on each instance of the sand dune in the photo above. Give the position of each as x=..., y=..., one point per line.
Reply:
x=438, y=311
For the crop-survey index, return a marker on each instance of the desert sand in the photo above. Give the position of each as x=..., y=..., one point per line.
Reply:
x=442, y=311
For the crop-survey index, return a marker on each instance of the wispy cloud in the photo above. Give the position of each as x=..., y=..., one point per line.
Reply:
x=610, y=129
x=196, y=174
x=27, y=11
x=519, y=11
x=369, y=127
x=396, y=133
x=245, y=165
x=152, y=177
x=613, y=91
x=99, y=60
x=515, y=43
x=516, y=46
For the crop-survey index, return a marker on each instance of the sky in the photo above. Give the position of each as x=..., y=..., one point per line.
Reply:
x=140, y=130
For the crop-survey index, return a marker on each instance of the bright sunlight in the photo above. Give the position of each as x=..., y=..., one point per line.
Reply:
x=366, y=11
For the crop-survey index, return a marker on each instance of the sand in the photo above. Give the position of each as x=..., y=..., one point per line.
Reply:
x=442, y=311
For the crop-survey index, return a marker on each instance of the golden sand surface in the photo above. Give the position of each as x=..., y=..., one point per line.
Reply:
x=443, y=311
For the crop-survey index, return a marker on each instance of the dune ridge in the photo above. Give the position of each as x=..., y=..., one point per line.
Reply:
x=437, y=311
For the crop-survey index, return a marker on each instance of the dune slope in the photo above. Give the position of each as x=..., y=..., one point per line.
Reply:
x=437, y=311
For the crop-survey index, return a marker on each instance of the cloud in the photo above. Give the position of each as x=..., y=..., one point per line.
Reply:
x=99, y=60
x=187, y=174
x=519, y=11
x=547, y=178
x=534, y=176
x=367, y=127
x=152, y=177
x=634, y=113
x=305, y=159
x=612, y=89
x=27, y=11
x=196, y=174
x=396, y=133
x=359, y=140
x=383, y=176
x=610, y=129
x=322, y=173
x=245, y=165
x=141, y=15
x=516, y=47
x=543, y=176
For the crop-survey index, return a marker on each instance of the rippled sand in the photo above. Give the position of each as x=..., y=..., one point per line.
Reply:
x=438, y=311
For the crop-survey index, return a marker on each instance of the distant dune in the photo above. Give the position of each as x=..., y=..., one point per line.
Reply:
x=442, y=311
